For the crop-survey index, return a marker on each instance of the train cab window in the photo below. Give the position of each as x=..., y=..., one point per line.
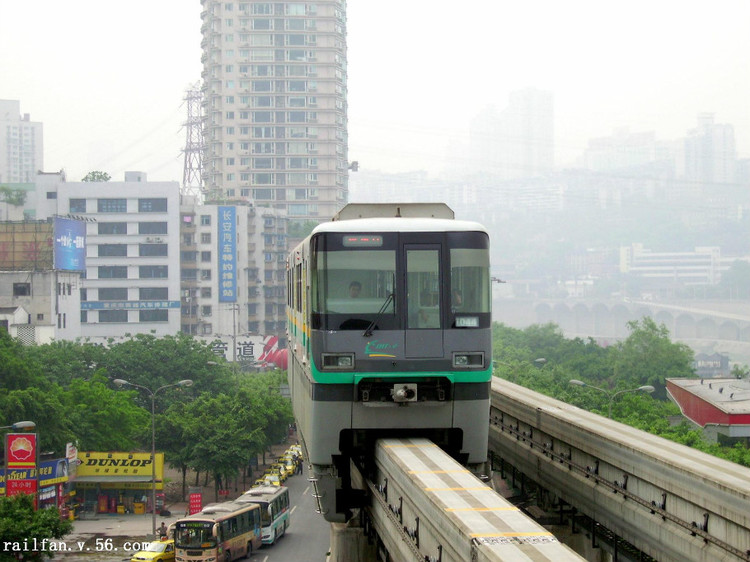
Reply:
x=353, y=287
x=470, y=294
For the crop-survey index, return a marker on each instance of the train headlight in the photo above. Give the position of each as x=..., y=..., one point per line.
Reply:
x=468, y=360
x=338, y=361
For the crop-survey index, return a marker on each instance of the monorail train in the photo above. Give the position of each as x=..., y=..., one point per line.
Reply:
x=389, y=315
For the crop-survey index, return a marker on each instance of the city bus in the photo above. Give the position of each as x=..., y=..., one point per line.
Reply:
x=221, y=532
x=274, y=509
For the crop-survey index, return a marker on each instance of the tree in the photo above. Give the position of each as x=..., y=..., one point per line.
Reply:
x=96, y=176
x=19, y=522
x=15, y=197
x=649, y=357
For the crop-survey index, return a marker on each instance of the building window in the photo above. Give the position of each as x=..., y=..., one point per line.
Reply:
x=205, y=220
x=21, y=289
x=160, y=315
x=113, y=294
x=206, y=292
x=112, y=227
x=113, y=316
x=205, y=256
x=106, y=250
x=152, y=228
x=206, y=310
x=205, y=274
x=152, y=205
x=153, y=293
x=188, y=274
x=113, y=271
x=77, y=205
x=112, y=205
x=153, y=271
x=147, y=250
x=205, y=238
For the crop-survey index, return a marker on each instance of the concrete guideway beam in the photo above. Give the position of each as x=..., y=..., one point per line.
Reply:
x=670, y=501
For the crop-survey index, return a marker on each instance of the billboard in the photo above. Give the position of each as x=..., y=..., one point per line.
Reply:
x=70, y=244
x=227, y=254
x=26, y=246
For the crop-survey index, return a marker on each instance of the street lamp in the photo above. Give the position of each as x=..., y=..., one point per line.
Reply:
x=20, y=425
x=120, y=383
x=645, y=388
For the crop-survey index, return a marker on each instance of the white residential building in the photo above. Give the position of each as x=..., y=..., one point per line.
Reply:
x=275, y=104
x=21, y=145
x=131, y=283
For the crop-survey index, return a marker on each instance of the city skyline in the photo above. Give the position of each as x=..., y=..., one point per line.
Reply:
x=111, y=97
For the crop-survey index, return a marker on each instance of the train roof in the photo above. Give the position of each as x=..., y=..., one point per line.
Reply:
x=411, y=210
x=400, y=224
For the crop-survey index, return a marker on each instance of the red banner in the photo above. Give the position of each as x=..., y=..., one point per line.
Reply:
x=196, y=503
x=14, y=487
x=21, y=450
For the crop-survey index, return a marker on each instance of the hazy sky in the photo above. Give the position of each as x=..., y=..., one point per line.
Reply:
x=107, y=79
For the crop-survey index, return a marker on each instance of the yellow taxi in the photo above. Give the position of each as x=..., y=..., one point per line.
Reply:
x=281, y=468
x=156, y=551
x=273, y=479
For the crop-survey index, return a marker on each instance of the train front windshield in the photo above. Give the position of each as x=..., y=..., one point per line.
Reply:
x=401, y=281
x=195, y=534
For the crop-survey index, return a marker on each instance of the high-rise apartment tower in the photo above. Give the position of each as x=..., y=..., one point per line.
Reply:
x=21, y=144
x=275, y=109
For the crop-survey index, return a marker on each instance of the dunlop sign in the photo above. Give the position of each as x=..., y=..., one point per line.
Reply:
x=119, y=464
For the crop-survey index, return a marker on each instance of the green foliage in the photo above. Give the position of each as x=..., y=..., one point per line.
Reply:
x=646, y=357
x=15, y=197
x=300, y=229
x=19, y=522
x=97, y=176
x=66, y=389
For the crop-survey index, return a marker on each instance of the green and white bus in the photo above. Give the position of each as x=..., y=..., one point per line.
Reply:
x=274, y=509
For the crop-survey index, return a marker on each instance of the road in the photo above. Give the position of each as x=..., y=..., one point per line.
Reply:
x=308, y=536
x=306, y=540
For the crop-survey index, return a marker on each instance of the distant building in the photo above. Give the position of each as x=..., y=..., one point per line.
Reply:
x=275, y=104
x=720, y=406
x=711, y=366
x=517, y=142
x=233, y=276
x=21, y=145
x=710, y=154
x=702, y=266
x=131, y=283
x=40, y=280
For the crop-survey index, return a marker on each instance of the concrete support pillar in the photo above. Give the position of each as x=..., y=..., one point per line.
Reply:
x=349, y=543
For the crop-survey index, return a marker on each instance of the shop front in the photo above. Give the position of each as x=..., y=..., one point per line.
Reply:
x=49, y=480
x=118, y=482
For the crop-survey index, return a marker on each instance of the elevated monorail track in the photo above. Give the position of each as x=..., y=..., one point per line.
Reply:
x=670, y=501
x=425, y=506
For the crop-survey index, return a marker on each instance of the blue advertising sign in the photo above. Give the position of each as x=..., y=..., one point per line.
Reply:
x=227, y=254
x=70, y=244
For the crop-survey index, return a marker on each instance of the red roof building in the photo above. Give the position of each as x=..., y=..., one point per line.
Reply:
x=719, y=406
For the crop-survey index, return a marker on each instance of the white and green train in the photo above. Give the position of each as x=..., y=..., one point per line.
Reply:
x=389, y=335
